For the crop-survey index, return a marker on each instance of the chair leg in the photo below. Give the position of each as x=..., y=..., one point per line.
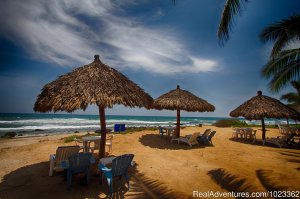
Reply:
x=109, y=182
x=51, y=165
x=69, y=178
x=127, y=179
x=88, y=176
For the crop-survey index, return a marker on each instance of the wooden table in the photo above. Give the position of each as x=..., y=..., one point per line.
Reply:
x=87, y=140
x=169, y=130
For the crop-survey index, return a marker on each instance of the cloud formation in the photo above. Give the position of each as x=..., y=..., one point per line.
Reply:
x=69, y=33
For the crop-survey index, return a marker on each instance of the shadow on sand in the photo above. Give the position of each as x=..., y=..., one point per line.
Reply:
x=230, y=182
x=155, y=141
x=265, y=177
x=32, y=181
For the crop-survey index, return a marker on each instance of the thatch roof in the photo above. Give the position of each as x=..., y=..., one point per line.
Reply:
x=262, y=106
x=183, y=100
x=95, y=83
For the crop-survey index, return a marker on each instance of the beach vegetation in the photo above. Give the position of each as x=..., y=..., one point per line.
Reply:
x=230, y=123
x=71, y=138
x=9, y=135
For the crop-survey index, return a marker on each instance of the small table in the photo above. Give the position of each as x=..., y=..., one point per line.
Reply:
x=88, y=139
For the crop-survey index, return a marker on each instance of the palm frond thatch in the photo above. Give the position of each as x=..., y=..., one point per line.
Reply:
x=283, y=69
x=282, y=32
x=262, y=106
x=231, y=9
x=183, y=100
x=95, y=83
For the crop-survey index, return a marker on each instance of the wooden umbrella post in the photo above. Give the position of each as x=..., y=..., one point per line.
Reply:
x=178, y=124
x=263, y=130
x=103, y=131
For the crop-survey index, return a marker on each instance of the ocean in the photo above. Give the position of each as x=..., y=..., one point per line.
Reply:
x=39, y=124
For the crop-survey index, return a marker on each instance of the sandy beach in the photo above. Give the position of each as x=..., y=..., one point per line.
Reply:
x=162, y=169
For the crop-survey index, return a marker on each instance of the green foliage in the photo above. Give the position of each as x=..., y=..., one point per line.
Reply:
x=230, y=123
x=71, y=138
x=9, y=135
x=282, y=69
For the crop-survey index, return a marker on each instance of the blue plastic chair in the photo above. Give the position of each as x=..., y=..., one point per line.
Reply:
x=119, y=168
x=79, y=163
x=119, y=128
x=207, y=139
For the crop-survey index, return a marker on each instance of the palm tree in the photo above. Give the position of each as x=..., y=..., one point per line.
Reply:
x=293, y=99
x=282, y=32
x=231, y=9
x=283, y=65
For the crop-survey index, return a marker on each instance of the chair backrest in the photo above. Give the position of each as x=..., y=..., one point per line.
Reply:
x=206, y=132
x=64, y=152
x=80, y=161
x=209, y=137
x=161, y=131
x=193, y=138
x=109, y=138
x=120, y=164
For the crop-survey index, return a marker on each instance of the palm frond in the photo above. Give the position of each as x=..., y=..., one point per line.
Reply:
x=274, y=66
x=296, y=85
x=281, y=32
x=231, y=9
x=283, y=77
x=290, y=97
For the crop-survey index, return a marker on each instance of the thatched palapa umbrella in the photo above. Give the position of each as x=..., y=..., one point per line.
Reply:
x=95, y=83
x=179, y=99
x=260, y=107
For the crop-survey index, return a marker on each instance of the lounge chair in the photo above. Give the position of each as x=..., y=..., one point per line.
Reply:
x=79, y=163
x=119, y=128
x=189, y=139
x=207, y=139
x=119, y=168
x=206, y=133
x=58, y=160
x=281, y=141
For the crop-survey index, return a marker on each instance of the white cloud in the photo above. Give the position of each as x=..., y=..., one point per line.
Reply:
x=69, y=33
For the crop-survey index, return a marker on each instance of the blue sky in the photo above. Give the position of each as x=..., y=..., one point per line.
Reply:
x=155, y=43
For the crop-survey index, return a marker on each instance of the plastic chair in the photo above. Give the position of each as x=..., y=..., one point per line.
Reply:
x=119, y=168
x=188, y=139
x=79, y=163
x=161, y=131
x=79, y=143
x=59, y=159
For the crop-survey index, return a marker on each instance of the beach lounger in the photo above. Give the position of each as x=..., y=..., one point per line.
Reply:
x=188, y=139
x=119, y=168
x=59, y=159
x=119, y=128
x=79, y=163
x=281, y=141
x=207, y=139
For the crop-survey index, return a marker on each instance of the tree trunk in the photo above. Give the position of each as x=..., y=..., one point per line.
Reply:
x=263, y=129
x=178, y=124
x=103, y=132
